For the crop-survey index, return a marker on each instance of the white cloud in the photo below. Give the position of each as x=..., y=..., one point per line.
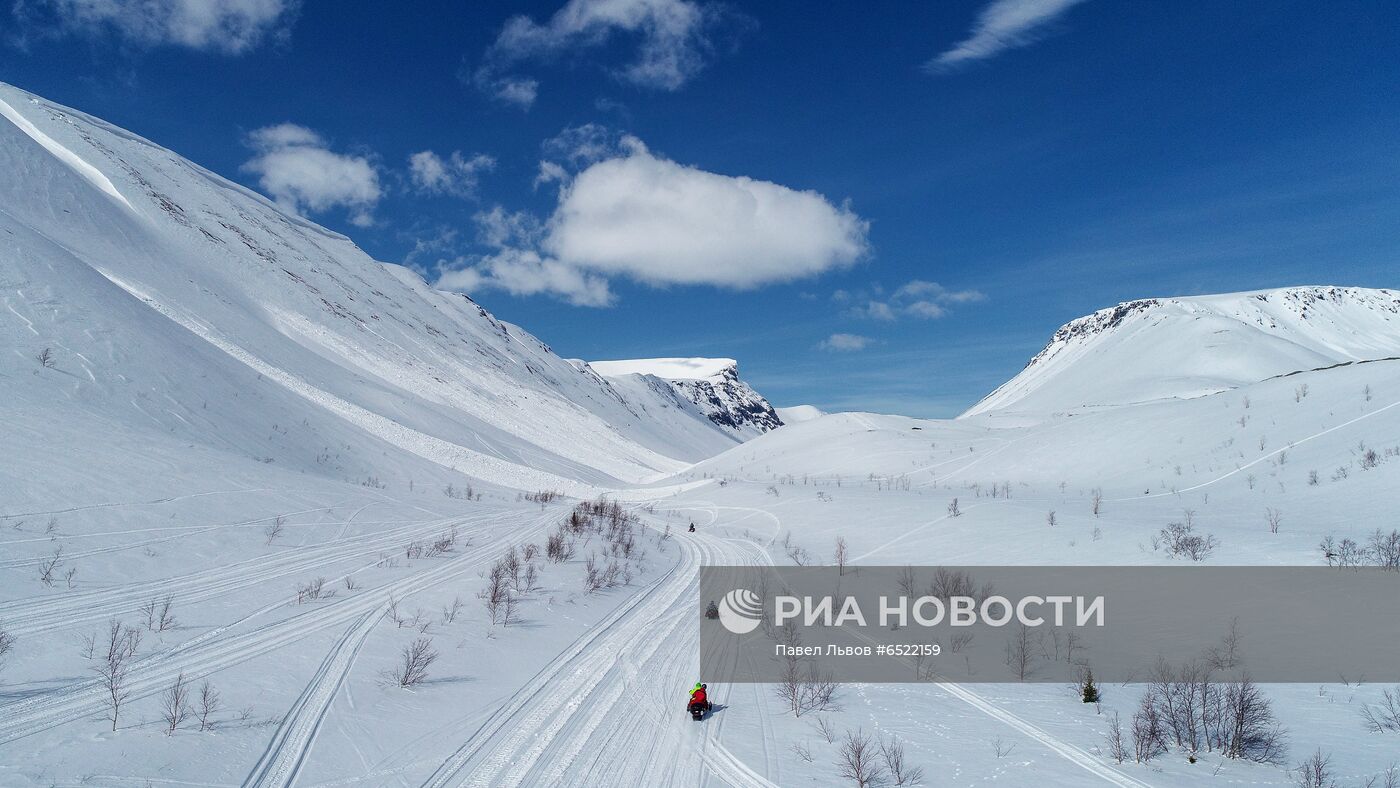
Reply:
x=524, y=272
x=649, y=219
x=846, y=343
x=672, y=42
x=500, y=228
x=455, y=174
x=917, y=299
x=296, y=168
x=1004, y=24
x=227, y=26
x=663, y=223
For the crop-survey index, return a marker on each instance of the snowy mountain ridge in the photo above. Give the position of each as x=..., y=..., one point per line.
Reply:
x=129, y=264
x=1163, y=348
x=713, y=385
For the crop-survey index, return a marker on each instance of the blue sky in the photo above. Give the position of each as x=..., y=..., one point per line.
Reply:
x=886, y=210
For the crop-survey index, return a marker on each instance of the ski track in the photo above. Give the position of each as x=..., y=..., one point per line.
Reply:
x=220, y=648
x=615, y=692
x=59, y=612
x=281, y=763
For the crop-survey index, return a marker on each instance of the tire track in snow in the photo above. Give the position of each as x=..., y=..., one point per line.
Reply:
x=282, y=761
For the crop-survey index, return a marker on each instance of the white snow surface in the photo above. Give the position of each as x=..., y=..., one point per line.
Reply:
x=799, y=413
x=239, y=402
x=1176, y=348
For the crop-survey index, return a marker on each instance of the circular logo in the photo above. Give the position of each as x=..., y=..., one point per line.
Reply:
x=740, y=611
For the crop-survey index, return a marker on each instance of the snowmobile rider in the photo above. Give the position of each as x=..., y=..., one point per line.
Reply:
x=692, y=527
x=697, y=695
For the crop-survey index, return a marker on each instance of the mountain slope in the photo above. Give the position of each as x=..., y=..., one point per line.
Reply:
x=1175, y=348
x=711, y=384
x=193, y=278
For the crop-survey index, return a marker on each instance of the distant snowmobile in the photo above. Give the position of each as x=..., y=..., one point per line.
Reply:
x=692, y=528
x=699, y=704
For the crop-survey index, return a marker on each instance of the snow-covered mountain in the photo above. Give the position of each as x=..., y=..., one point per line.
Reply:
x=797, y=414
x=711, y=384
x=160, y=290
x=1168, y=348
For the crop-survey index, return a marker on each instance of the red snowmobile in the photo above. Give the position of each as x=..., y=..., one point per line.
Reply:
x=699, y=704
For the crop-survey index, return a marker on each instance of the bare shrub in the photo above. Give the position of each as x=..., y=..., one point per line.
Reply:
x=1248, y=728
x=48, y=565
x=7, y=644
x=113, y=658
x=1273, y=517
x=1385, y=716
x=1000, y=748
x=1020, y=656
x=558, y=547
x=1096, y=501
x=46, y=358
x=841, y=555
x=1384, y=549
x=1148, y=736
x=1316, y=772
x=892, y=758
x=413, y=550
x=207, y=705
x=414, y=662
x=953, y=510
x=497, y=596
x=312, y=590
x=1117, y=749
x=859, y=761
x=274, y=529
x=449, y=612
x=174, y=704
x=803, y=751
x=805, y=690
x=1181, y=540
x=158, y=613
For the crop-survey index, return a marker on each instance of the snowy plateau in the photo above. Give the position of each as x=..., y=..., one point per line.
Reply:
x=378, y=537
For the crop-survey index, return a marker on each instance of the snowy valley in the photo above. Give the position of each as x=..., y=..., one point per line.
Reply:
x=380, y=537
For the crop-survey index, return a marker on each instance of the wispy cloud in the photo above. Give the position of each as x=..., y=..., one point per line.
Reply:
x=845, y=343
x=453, y=174
x=225, y=26
x=673, y=42
x=916, y=298
x=1002, y=25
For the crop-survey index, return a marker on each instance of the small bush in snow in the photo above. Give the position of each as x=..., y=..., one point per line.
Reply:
x=1384, y=717
x=1181, y=540
x=414, y=662
x=1316, y=772
x=859, y=761
x=174, y=704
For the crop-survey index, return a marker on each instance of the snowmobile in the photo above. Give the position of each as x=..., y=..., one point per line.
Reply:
x=692, y=528
x=712, y=612
x=699, y=704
